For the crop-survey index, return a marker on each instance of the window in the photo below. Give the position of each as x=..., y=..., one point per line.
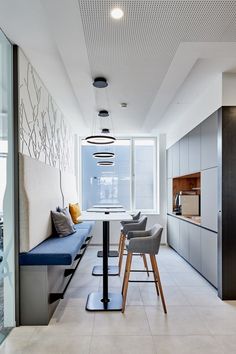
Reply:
x=131, y=181
x=7, y=265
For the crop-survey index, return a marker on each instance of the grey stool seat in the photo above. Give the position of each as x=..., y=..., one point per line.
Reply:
x=140, y=225
x=144, y=242
x=135, y=219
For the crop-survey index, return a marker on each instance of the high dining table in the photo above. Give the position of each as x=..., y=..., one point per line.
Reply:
x=114, y=208
x=104, y=300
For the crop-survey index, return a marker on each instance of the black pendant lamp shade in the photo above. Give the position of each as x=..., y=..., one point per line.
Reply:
x=103, y=155
x=103, y=113
x=100, y=139
x=105, y=163
x=100, y=82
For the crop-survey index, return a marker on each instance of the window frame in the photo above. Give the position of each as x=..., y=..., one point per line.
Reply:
x=132, y=140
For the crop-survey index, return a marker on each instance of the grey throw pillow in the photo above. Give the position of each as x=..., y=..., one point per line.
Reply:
x=67, y=213
x=62, y=224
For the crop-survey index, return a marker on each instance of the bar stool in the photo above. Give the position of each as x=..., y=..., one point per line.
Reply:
x=135, y=217
x=146, y=242
x=140, y=225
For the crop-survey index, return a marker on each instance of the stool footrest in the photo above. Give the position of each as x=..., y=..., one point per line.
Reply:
x=141, y=271
x=142, y=281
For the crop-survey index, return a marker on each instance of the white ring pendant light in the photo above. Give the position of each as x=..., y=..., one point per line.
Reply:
x=100, y=139
x=103, y=155
x=105, y=163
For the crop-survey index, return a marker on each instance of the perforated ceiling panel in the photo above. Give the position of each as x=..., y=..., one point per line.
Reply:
x=135, y=52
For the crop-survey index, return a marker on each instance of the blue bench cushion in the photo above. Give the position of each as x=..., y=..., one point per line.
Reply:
x=55, y=250
x=87, y=225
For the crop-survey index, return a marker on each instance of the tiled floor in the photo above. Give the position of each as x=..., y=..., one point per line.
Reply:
x=198, y=322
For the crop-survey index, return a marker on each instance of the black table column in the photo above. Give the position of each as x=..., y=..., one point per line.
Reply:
x=104, y=301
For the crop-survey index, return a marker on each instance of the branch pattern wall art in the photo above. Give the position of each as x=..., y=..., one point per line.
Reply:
x=44, y=133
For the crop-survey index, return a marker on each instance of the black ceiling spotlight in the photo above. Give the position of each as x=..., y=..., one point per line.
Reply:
x=103, y=113
x=100, y=82
x=105, y=163
x=103, y=155
x=105, y=131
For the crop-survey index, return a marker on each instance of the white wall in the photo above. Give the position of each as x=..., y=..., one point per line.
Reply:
x=220, y=92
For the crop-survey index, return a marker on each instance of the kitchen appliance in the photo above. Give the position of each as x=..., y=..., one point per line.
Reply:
x=189, y=204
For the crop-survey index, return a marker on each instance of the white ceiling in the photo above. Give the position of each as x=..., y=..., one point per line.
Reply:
x=150, y=58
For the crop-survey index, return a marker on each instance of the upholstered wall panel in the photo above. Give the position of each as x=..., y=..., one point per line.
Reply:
x=68, y=188
x=44, y=132
x=39, y=193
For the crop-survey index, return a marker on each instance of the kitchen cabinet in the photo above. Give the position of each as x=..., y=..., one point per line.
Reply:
x=183, y=156
x=169, y=163
x=175, y=159
x=209, y=255
x=194, y=150
x=195, y=246
x=184, y=239
x=209, y=198
x=209, y=130
x=173, y=232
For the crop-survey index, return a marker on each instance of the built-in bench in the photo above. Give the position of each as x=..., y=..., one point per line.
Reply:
x=58, y=251
x=46, y=272
x=47, y=263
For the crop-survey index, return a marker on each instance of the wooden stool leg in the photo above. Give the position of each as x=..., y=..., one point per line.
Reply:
x=143, y=255
x=120, y=242
x=125, y=275
x=159, y=282
x=154, y=275
x=126, y=280
x=122, y=247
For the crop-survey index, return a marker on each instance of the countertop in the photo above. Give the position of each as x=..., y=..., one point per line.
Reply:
x=193, y=219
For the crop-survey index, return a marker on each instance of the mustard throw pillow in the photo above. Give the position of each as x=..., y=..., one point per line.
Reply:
x=75, y=212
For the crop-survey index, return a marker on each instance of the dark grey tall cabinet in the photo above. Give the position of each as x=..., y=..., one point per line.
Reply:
x=227, y=203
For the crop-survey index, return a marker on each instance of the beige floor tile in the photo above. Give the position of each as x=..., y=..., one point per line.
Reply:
x=189, y=279
x=187, y=345
x=122, y=345
x=50, y=342
x=15, y=345
x=228, y=343
x=172, y=294
x=72, y=320
x=180, y=320
x=84, y=280
x=202, y=296
x=132, y=322
x=220, y=320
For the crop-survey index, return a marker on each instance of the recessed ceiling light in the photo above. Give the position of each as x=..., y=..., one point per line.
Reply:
x=117, y=13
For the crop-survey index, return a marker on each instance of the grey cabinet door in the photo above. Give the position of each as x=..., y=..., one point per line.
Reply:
x=175, y=159
x=173, y=232
x=209, y=129
x=195, y=246
x=209, y=255
x=169, y=163
x=194, y=154
x=184, y=239
x=183, y=156
x=209, y=198
x=169, y=195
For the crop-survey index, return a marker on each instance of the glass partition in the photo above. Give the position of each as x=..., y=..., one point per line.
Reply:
x=7, y=266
